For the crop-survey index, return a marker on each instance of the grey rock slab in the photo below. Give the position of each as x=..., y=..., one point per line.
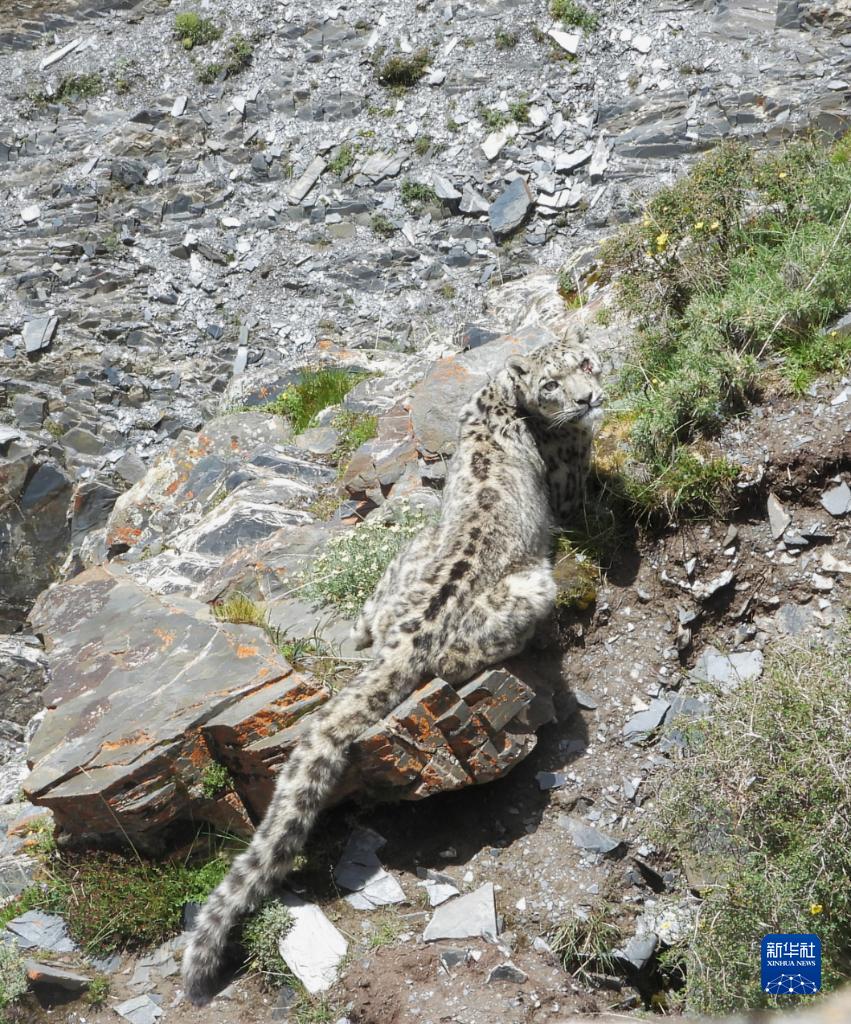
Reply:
x=449, y=383
x=830, y=563
x=599, y=160
x=778, y=518
x=568, y=41
x=39, y=333
x=837, y=500
x=57, y=55
x=508, y=212
x=444, y=189
x=472, y=201
x=379, y=166
x=53, y=976
x=313, y=948
x=360, y=871
x=37, y=930
x=140, y=1010
x=585, y=700
x=645, y=722
x=586, y=837
x=728, y=670
x=638, y=949
x=704, y=590
x=470, y=916
x=30, y=214
x=506, y=972
x=307, y=180
x=550, y=780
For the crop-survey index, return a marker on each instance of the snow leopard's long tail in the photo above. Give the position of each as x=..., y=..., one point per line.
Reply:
x=303, y=786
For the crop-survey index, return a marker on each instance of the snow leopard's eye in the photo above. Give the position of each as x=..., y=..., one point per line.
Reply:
x=550, y=385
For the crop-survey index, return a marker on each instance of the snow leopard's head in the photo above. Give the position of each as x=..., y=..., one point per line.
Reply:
x=559, y=383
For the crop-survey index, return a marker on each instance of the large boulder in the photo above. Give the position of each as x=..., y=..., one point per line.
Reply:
x=151, y=693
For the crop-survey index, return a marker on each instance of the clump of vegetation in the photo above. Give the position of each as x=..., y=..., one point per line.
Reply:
x=79, y=87
x=519, y=111
x=97, y=992
x=746, y=259
x=493, y=118
x=382, y=225
x=778, y=855
x=314, y=391
x=505, y=40
x=355, y=429
x=260, y=937
x=342, y=160
x=423, y=144
x=237, y=57
x=110, y=901
x=573, y=15
x=347, y=570
x=13, y=978
x=576, y=575
x=215, y=779
x=586, y=944
x=403, y=72
x=193, y=30
x=241, y=609
x=416, y=194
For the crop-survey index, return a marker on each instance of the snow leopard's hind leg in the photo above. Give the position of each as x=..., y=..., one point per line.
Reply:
x=500, y=623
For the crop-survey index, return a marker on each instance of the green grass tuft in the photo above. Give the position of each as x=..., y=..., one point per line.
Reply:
x=573, y=15
x=355, y=429
x=314, y=391
x=193, y=30
x=79, y=87
x=343, y=159
x=416, y=194
x=215, y=780
x=504, y=40
x=771, y=769
x=403, y=72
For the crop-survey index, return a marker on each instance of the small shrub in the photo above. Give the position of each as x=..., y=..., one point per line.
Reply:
x=355, y=429
x=238, y=55
x=519, y=111
x=97, y=992
x=403, y=72
x=193, y=30
x=493, y=118
x=573, y=15
x=505, y=40
x=343, y=159
x=215, y=779
x=347, y=570
x=79, y=87
x=315, y=391
x=423, y=144
x=777, y=857
x=13, y=977
x=209, y=73
x=416, y=194
x=260, y=937
x=382, y=225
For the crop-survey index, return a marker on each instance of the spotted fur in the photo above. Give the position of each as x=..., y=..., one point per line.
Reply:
x=462, y=595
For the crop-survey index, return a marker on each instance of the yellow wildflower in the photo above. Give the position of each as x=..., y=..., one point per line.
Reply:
x=715, y=225
x=698, y=225
x=816, y=908
x=662, y=240
x=646, y=222
x=782, y=174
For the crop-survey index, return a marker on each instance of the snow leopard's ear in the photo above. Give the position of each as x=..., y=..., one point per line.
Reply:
x=518, y=368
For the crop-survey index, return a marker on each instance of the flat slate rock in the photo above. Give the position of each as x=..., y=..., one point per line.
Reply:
x=470, y=916
x=586, y=837
x=450, y=382
x=37, y=930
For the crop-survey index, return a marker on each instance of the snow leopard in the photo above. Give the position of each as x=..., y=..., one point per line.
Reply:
x=464, y=594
